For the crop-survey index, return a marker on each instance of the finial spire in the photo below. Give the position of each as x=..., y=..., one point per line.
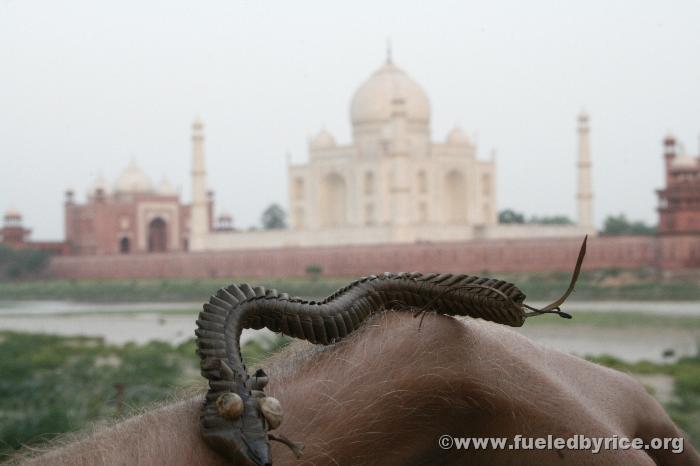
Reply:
x=388, y=50
x=582, y=118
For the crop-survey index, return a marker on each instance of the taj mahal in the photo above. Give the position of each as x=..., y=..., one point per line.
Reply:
x=392, y=178
x=391, y=184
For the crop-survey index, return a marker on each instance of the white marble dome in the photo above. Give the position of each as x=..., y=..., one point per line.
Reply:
x=375, y=99
x=457, y=137
x=133, y=180
x=12, y=214
x=684, y=161
x=323, y=140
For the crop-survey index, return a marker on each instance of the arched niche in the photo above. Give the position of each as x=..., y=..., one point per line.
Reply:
x=157, y=235
x=333, y=208
x=455, y=197
x=124, y=245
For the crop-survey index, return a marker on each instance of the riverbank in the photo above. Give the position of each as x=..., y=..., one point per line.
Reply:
x=596, y=285
x=631, y=331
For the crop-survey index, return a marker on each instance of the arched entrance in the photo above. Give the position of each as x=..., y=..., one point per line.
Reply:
x=124, y=245
x=157, y=235
x=333, y=199
x=455, y=202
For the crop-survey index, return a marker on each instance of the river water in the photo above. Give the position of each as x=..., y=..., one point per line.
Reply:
x=142, y=322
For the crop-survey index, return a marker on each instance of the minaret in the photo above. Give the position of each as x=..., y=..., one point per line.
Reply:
x=400, y=185
x=584, y=196
x=199, y=215
x=669, y=155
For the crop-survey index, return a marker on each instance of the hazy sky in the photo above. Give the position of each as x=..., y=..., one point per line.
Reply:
x=86, y=85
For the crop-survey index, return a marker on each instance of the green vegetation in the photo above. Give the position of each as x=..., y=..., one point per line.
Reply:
x=314, y=271
x=622, y=320
x=619, y=225
x=172, y=290
x=511, y=216
x=274, y=218
x=597, y=285
x=52, y=384
x=613, y=225
x=21, y=263
x=551, y=220
x=607, y=284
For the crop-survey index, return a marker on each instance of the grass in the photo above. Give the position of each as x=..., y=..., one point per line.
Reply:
x=52, y=384
x=597, y=285
x=613, y=285
x=171, y=290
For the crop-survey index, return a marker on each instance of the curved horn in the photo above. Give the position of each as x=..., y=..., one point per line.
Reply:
x=237, y=307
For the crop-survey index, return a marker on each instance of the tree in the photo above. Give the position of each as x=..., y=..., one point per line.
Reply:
x=551, y=220
x=619, y=225
x=314, y=271
x=274, y=218
x=22, y=263
x=510, y=216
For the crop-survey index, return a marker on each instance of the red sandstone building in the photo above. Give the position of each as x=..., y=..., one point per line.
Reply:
x=13, y=234
x=679, y=201
x=133, y=217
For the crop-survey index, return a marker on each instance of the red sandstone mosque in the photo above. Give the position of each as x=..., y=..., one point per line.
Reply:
x=134, y=215
x=679, y=201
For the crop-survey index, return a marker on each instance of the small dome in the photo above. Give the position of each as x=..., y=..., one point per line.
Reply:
x=225, y=221
x=133, y=180
x=323, y=140
x=389, y=86
x=457, y=137
x=12, y=214
x=165, y=188
x=100, y=184
x=685, y=161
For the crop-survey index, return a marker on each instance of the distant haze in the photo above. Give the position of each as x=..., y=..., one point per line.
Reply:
x=85, y=86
